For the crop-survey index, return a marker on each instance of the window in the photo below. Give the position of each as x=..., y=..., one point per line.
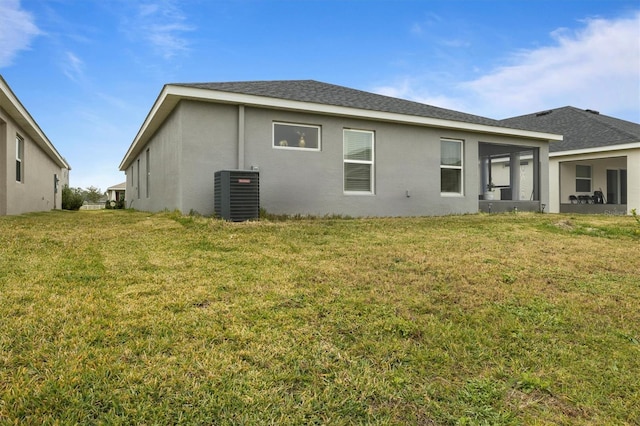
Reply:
x=138, y=179
x=451, y=166
x=148, y=172
x=583, y=178
x=19, y=159
x=296, y=136
x=358, y=161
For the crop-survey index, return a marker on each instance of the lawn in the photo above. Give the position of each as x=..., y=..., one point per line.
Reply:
x=124, y=317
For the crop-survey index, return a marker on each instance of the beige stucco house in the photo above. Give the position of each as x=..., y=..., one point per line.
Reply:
x=32, y=171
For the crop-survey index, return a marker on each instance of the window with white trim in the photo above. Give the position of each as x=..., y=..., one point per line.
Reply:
x=19, y=159
x=148, y=174
x=583, y=178
x=296, y=136
x=138, y=178
x=358, y=155
x=451, y=166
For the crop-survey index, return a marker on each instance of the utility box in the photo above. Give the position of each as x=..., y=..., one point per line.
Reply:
x=237, y=194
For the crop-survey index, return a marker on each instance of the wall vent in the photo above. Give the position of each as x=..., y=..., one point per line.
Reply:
x=237, y=194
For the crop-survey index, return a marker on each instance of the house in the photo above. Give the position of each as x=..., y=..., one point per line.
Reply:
x=324, y=149
x=596, y=168
x=32, y=172
x=117, y=192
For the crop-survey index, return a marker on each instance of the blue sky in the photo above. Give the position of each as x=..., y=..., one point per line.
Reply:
x=89, y=71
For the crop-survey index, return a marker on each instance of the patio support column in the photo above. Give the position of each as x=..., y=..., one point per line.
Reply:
x=633, y=179
x=484, y=174
x=514, y=175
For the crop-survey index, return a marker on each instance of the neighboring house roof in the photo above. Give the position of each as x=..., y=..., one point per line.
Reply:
x=320, y=98
x=582, y=129
x=10, y=103
x=119, y=187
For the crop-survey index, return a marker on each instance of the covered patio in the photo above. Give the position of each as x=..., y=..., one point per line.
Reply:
x=509, y=178
x=594, y=186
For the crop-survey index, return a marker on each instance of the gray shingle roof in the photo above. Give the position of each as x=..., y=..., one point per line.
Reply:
x=582, y=129
x=329, y=94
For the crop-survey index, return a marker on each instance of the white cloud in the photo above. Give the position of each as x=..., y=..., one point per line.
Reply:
x=162, y=24
x=73, y=67
x=596, y=66
x=17, y=29
x=406, y=89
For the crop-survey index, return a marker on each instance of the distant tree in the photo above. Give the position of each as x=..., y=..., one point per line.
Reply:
x=93, y=194
x=72, y=198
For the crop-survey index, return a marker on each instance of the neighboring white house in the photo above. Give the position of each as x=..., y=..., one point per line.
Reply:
x=325, y=149
x=32, y=172
x=117, y=192
x=599, y=154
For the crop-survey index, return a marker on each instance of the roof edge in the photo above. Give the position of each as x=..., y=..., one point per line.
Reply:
x=21, y=116
x=599, y=149
x=171, y=94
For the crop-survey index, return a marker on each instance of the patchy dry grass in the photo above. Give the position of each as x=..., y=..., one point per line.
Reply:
x=121, y=317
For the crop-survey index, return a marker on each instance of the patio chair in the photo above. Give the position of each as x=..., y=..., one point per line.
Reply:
x=598, y=197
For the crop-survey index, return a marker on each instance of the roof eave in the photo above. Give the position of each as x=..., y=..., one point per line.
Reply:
x=172, y=94
x=14, y=108
x=595, y=150
x=159, y=111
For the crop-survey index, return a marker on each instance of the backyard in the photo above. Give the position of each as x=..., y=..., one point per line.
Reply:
x=126, y=317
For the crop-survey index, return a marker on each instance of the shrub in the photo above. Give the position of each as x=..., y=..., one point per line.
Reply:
x=71, y=198
x=112, y=204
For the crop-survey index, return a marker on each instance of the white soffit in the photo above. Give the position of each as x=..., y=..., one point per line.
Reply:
x=596, y=150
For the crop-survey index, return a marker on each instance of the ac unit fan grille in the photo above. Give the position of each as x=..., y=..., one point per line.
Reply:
x=237, y=195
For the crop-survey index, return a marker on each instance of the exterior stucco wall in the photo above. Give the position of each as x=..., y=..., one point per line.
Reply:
x=165, y=154
x=36, y=191
x=563, y=177
x=407, y=158
x=201, y=138
x=210, y=143
x=4, y=166
x=554, y=186
x=633, y=180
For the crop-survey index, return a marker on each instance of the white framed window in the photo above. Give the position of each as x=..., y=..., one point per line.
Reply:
x=358, y=155
x=19, y=159
x=451, y=166
x=296, y=136
x=138, y=178
x=148, y=174
x=583, y=178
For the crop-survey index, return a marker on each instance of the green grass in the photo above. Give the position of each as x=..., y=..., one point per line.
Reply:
x=123, y=317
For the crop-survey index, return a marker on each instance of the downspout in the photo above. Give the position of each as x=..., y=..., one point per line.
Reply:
x=240, y=137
